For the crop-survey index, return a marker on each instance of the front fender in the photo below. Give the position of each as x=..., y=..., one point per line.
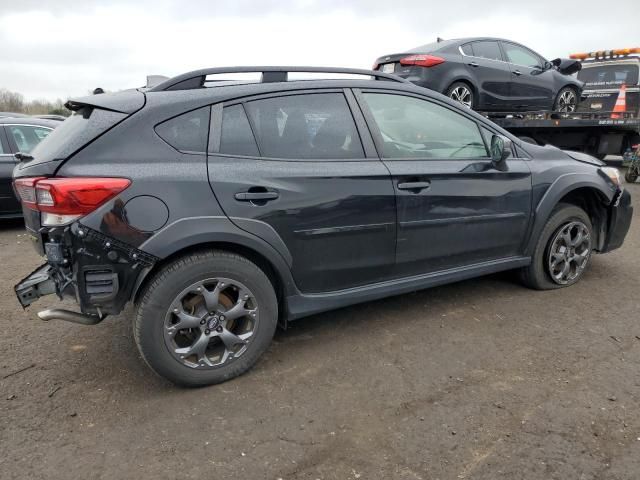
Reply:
x=562, y=186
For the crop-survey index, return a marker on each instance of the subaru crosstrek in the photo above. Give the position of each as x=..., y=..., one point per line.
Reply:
x=222, y=208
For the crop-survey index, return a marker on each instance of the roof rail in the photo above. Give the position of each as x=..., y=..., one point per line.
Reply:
x=197, y=78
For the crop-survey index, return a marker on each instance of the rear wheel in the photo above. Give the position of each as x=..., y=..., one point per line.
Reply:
x=462, y=93
x=631, y=174
x=563, y=250
x=205, y=318
x=566, y=101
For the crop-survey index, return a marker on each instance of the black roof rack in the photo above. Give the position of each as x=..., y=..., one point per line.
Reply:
x=197, y=78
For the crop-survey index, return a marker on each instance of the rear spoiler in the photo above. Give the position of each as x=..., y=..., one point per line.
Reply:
x=126, y=101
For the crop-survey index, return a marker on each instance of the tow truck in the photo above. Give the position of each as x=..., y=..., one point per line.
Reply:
x=607, y=119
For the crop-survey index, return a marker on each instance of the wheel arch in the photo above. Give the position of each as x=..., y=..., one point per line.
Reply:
x=466, y=80
x=190, y=235
x=577, y=90
x=591, y=194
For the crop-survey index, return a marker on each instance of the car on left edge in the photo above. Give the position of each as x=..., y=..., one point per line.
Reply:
x=17, y=134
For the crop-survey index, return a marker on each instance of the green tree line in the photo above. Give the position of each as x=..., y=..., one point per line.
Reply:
x=15, y=102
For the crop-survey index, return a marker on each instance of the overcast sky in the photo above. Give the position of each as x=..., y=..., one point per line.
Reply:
x=60, y=48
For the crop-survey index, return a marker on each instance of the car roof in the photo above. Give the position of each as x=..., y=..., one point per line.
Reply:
x=435, y=46
x=38, y=122
x=12, y=114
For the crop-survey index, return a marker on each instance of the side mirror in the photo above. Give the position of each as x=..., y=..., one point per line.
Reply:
x=567, y=66
x=500, y=149
x=547, y=66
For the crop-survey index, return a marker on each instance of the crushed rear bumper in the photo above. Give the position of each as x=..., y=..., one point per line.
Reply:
x=100, y=273
x=37, y=284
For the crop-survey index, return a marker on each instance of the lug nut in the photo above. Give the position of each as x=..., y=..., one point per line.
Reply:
x=203, y=321
x=219, y=329
x=222, y=318
x=207, y=331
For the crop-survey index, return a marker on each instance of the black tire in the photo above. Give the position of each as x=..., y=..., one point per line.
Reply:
x=537, y=275
x=559, y=103
x=168, y=283
x=631, y=175
x=462, y=86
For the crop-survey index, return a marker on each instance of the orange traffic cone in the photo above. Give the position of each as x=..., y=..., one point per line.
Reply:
x=621, y=103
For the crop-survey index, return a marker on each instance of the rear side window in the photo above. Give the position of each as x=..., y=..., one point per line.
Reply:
x=466, y=49
x=187, y=132
x=3, y=150
x=313, y=126
x=487, y=49
x=27, y=136
x=236, y=136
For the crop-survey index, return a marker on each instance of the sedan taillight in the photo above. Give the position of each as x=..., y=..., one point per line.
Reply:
x=422, y=60
x=63, y=200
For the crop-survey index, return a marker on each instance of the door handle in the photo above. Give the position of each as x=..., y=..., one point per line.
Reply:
x=517, y=72
x=413, y=185
x=253, y=196
x=473, y=64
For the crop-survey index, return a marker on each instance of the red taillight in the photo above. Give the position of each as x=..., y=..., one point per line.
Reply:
x=26, y=190
x=68, y=196
x=422, y=60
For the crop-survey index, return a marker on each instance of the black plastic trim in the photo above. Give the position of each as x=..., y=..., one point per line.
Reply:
x=303, y=305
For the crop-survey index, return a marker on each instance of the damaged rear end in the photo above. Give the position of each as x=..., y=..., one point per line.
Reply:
x=81, y=263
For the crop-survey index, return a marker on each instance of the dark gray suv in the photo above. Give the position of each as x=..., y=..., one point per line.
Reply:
x=220, y=209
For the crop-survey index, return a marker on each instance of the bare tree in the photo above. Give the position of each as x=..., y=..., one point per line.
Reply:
x=11, y=101
x=14, y=102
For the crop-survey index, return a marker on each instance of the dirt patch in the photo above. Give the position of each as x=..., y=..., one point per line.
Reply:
x=482, y=379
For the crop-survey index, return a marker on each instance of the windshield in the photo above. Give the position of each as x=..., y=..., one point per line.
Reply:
x=609, y=76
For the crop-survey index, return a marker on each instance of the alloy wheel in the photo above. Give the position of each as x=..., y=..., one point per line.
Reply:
x=569, y=252
x=463, y=95
x=568, y=101
x=210, y=323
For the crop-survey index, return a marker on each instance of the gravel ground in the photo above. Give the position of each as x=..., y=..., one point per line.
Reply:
x=482, y=380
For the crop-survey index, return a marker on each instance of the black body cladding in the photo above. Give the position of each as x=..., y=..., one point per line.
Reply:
x=325, y=184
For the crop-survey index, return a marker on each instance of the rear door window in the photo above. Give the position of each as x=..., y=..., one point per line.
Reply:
x=309, y=126
x=187, y=132
x=26, y=137
x=236, y=137
x=487, y=49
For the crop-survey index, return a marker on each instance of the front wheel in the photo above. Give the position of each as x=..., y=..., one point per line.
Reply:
x=205, y=318
x=566, y=101
x=461, y=93
x=563, y=250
